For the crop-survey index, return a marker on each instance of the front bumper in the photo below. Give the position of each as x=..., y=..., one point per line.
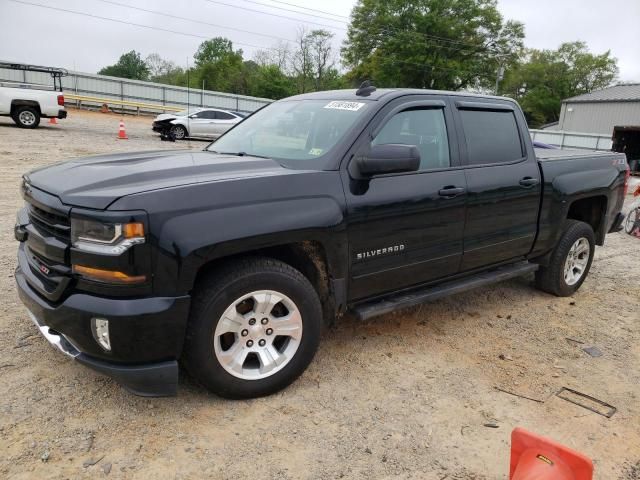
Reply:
x=146, y=335
x=150, y=380
x=161, y=127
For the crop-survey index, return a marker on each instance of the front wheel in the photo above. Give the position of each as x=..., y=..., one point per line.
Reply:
x=570, y=261
x=178, y=132
x=254, y=328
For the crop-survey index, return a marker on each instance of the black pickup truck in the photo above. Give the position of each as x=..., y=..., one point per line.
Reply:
x=230, y=260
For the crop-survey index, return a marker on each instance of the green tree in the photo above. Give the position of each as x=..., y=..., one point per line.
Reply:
x=438, y=44
x=213, y=50
x=218, y=66
x=302, y=62
x=543, y=78
x=322, y=59
x=130, y=65
x=270, y=82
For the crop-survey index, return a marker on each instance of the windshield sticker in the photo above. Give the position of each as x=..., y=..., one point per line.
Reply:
x=351, y=106
x=315, y=151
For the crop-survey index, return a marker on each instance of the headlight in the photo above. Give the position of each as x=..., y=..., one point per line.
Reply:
x=105, y=238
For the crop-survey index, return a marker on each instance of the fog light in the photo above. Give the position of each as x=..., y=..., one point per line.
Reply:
x=100, y=328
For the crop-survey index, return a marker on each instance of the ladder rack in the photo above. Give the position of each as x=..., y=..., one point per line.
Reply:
x=56, y=73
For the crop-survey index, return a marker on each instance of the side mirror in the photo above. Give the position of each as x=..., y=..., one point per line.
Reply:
x=391, y=158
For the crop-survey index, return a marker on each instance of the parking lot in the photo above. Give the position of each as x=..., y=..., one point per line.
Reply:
x=430, y=393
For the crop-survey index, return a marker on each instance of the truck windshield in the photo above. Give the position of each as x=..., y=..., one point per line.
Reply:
x=295, y=132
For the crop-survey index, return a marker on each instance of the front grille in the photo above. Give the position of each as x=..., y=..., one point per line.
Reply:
x=50, y=224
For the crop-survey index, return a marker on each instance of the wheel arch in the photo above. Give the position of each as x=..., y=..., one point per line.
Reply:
x=179, y=123
x=15, y=104
x=591, y=210
x=307, y=256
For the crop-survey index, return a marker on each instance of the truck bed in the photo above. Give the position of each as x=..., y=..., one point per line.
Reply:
x=545, y=154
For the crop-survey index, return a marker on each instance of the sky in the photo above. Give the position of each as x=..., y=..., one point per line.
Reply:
x=44, y=36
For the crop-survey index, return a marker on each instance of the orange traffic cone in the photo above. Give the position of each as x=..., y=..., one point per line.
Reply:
x=53, y=120
x=122, y=135
x=537, y=458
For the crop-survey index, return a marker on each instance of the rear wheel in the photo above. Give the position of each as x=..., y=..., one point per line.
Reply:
x=254, y=328
x=632, y=220
x=178, y=132
x=26, y=117
x=570, y=261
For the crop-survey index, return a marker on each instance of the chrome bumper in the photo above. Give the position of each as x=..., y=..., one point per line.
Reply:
x=55, y=339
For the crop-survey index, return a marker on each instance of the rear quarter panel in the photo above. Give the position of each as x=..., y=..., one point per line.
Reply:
x=566, y=180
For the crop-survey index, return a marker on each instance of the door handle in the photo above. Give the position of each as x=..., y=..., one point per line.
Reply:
x=529, y=181
x=449, y=192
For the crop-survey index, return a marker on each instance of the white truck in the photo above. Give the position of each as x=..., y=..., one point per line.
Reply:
x=27, y=103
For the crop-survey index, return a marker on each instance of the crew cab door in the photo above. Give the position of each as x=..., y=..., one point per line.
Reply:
x=406, y=228
x=503, y=182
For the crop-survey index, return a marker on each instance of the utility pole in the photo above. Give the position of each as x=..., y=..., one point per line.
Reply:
x=499, y=77
x=188, y=99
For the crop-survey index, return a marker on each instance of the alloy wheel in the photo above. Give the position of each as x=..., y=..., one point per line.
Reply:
x=577, y=261
x=258, y=335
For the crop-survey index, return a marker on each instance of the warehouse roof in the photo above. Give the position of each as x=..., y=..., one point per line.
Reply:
x=623, y=92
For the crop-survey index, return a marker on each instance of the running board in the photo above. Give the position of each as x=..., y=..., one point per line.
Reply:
x=365, y=311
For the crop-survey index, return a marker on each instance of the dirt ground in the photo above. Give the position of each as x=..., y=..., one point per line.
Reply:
x=408, y=395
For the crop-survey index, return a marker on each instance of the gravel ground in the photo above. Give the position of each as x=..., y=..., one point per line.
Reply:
x=404, y=396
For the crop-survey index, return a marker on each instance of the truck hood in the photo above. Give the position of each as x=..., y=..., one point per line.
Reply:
x=96, y=182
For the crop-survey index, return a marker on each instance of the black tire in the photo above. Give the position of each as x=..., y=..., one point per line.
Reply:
x=551, y=279
x=26, y=117
x=215, y=293
x=178, y=132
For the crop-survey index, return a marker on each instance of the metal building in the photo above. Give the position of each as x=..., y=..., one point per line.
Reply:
x=601, y=110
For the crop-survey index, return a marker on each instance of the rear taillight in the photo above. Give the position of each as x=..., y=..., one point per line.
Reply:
x=627, y=175
x=61, y=100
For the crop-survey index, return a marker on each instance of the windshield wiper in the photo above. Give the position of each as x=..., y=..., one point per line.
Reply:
x=240, y=154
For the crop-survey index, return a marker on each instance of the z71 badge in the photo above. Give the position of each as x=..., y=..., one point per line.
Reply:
x=379, y=252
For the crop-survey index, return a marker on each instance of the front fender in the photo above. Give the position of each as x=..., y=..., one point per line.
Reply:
x=192, y=225
x=247, y=228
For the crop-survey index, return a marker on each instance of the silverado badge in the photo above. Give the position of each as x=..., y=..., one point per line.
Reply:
x=380, y=251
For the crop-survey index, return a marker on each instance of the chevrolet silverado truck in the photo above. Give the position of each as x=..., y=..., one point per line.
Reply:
x=27, y=104
x=230, y=260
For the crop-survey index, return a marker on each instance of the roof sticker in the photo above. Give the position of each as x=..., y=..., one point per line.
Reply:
x=351, y=106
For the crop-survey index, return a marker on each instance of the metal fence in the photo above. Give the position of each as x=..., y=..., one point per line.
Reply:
x=562, y=139
x=136, y=91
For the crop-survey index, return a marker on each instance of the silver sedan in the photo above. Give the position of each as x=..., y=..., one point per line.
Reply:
x=198, y=122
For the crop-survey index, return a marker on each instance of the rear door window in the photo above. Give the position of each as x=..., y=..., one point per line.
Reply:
x=224, y=116
x=491, y=136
